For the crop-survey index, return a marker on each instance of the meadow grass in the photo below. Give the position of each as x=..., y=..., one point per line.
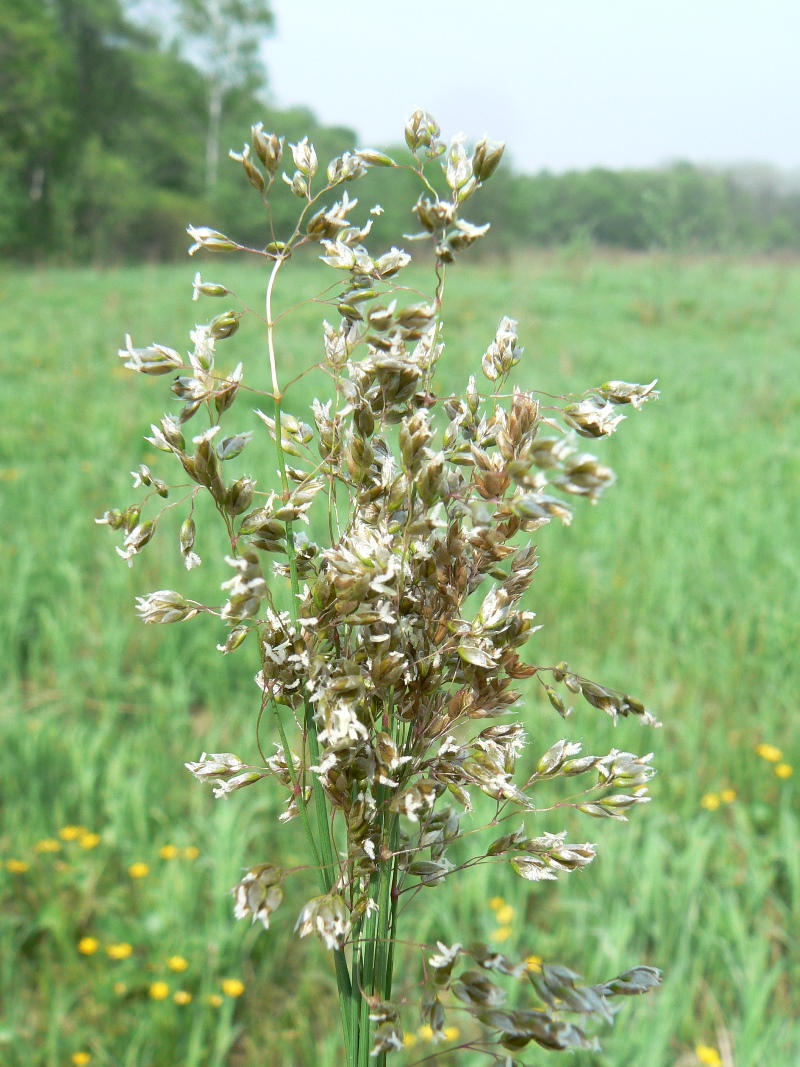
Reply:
x=680, y=588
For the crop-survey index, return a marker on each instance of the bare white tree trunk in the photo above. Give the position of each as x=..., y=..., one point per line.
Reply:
x=215, y=95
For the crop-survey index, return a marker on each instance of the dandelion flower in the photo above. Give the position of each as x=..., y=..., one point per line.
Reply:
x=177, y=964
x=727, y=796
x=214, y=999
x=452, y=1033
x=784, y=770
x=710, y=802
x=168, y=852
x=89, y=841
x=505, y=915
x=496, y=903
x=708, y=1056
x=534, y=964
x=17, y=866
x=71, y=833
x=191, y=853
x=159, y=991
x=48, y=845
x=138, y=870
x=120, y=951
x=772, y=755
x=120, y=989
x=426, y=1032
x=182, y=997
x=80, y=1059
x=87, y=946
x=409, y=1040
x=502, y=933
x=232, y=987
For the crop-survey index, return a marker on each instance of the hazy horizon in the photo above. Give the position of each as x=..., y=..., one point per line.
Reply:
x=620, y=84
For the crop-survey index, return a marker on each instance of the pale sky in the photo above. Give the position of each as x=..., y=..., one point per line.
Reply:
x=566, y=83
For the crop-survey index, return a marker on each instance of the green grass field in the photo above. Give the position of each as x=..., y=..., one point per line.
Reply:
x=680, y=587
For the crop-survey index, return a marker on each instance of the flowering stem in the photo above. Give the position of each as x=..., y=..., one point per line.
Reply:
x=394, y=837
x=355, y=1000
x=369, y=944
x=327, y=868
x=301, y=807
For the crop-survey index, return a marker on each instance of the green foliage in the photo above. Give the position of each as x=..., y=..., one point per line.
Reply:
x=35, y=73
x=103, y=125
x=682, y=207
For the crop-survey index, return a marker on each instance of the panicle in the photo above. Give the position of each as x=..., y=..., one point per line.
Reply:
x=394, y=647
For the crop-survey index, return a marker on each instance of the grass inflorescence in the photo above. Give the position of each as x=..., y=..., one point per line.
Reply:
x=680, y=587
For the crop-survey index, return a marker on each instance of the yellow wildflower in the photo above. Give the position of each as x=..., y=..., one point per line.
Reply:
x=80, y=1059
x=784, y=770
x=496, y=903
x=232, y=987
x=502, y=933
x=727, y=796
x=505, y=915
x=159, y=991
x=138, y=870
x=534, y=963
x=48, y=845
x=120, y=989
x=708, y=1056
x=17, y=866
x=452, y=1033
x=177, y=964
x=71, y=833
x=772, y=755
x=710, y=802
x=426, y=1032
x=191, y=853
x=182, y=997
x=409, y=1040
x=168, y=852
x=120, y=951
x=214, y=999
x=89, y=841
x=87, y=946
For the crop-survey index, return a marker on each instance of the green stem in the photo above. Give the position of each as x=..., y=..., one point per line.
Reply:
x=389, y=971
x=355, y=998
x=368, y=970
x=301, y=806
x=384, y=918
x=328, y=868
x=342, y=974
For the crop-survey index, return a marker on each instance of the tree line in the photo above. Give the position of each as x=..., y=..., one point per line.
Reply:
x=113, y=138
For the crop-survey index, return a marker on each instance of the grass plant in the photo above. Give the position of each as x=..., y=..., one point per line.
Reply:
x=681, y=587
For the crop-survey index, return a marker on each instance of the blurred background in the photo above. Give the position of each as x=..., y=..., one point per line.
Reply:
x=671, y=127
x=645, y=223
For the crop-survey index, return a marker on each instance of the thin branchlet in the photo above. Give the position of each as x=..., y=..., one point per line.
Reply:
x=391, y=668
